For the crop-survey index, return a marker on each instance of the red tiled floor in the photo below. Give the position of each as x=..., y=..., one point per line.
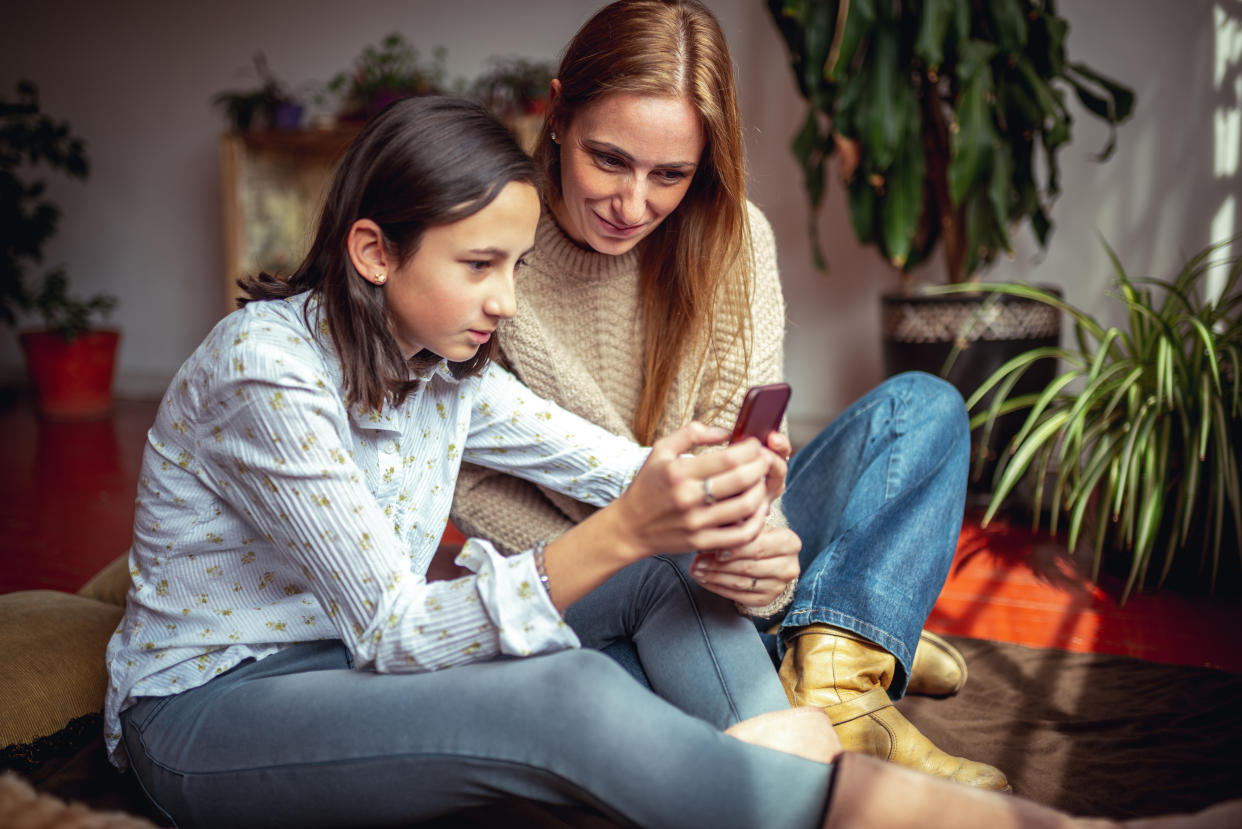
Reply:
x=66, y=509
x=67, y=494
x=1011, y=584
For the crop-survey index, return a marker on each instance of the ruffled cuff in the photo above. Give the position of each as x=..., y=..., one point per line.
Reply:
x=527, y=623
x=773, y=607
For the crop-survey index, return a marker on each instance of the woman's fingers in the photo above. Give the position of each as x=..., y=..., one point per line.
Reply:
x=755, y=573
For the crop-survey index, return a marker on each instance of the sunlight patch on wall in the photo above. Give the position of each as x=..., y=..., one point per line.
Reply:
x=1227, y=126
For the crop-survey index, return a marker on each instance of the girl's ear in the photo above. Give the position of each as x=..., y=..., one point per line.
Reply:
x=365, y=244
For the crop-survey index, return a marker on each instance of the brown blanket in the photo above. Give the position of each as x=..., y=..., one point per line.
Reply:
x=1091, y=734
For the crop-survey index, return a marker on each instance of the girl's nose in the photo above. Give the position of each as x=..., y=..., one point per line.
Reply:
x=502, y=303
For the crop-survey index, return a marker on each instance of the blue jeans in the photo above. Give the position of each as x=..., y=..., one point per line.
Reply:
x=877, y=499
x=301, y=739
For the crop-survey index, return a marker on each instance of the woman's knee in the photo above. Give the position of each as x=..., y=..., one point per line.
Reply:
x=936, y=406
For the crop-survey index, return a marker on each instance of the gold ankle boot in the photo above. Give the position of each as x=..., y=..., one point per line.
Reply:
x=939, y=669
x=848, y=677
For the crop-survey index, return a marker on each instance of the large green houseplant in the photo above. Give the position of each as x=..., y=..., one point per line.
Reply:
x=1137, y=442
x=936, y=110
x=945, y=118
x=71, y=361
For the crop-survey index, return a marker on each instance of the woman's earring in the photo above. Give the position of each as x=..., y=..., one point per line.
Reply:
x=553, y=136
x=380, y=279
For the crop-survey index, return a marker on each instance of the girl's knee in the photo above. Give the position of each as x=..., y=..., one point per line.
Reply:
x=571, y=676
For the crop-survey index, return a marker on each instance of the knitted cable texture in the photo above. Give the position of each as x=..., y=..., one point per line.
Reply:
x=575, y=339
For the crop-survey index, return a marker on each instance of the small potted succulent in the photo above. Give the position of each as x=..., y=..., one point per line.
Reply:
x=516, y=89
x=267, y=106
x=385, y=73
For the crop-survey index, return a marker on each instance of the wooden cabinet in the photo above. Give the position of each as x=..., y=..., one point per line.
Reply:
x=272, y=185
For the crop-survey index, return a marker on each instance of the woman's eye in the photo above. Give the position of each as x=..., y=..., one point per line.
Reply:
x=609, y=161
x=670, y=176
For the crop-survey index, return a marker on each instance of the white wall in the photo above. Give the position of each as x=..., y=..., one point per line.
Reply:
x=135, y=79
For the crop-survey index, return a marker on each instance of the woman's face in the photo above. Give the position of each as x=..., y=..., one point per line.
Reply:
x=458, y=286
x=627, y=161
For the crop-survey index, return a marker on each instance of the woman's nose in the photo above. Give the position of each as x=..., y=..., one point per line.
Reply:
x=631, y=202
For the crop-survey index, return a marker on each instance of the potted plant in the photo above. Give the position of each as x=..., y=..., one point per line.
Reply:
x=268, y=106
x=385, y=73
x=71, y=363
x=936, y=112
x=1137, y=441
x=516, y=90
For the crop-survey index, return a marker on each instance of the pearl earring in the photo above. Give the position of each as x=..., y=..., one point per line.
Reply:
x=380, y=279
x=553, y=136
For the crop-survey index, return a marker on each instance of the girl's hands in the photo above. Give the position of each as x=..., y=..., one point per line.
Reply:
x=754, y=574
x=717, y=500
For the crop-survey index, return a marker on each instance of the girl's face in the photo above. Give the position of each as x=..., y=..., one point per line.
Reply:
x=458, y=286
x=627, y=161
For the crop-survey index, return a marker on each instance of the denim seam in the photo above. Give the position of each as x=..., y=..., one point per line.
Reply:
x=711, y=649
x=901, y=407
x=588, y=796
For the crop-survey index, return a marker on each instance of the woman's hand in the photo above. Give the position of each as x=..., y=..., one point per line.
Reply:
x=679, y=502
x=781, y=449
x=715, y=500
x=754, y=574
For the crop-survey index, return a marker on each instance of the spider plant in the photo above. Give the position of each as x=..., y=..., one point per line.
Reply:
x=1137, y=441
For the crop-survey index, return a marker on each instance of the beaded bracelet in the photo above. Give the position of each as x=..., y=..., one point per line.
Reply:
x=540, y=567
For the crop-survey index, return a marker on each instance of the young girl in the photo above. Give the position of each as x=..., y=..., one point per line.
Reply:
x=283, y=658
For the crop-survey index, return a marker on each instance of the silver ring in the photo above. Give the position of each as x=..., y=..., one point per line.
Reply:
x=708, y=498
x=754, y=581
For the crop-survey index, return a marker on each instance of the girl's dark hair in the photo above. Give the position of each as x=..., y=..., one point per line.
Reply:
x=421, y=162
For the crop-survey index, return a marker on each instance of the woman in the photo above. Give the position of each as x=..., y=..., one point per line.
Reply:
x=653, y=299
x=283, y=659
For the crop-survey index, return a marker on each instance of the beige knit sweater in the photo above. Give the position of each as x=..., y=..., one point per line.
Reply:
x=576, y=340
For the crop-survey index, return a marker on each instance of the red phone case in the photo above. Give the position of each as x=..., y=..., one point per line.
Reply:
x=761, y=412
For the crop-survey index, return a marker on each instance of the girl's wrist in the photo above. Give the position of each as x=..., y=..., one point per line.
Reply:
x=617, y=524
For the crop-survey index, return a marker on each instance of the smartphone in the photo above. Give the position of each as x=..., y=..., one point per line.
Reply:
x=761, y=412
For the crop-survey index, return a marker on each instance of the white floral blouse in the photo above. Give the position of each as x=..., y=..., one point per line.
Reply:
x=269, y=514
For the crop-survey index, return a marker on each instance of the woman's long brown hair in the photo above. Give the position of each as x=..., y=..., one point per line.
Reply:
x=696, y=279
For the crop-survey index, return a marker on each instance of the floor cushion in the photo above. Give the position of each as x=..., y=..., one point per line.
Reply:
x=52, y=645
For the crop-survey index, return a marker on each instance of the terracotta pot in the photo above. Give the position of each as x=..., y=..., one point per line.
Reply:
x=72, y=378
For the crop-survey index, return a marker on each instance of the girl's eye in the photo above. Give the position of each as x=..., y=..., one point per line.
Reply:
x=521, y=263
x=478, y=264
